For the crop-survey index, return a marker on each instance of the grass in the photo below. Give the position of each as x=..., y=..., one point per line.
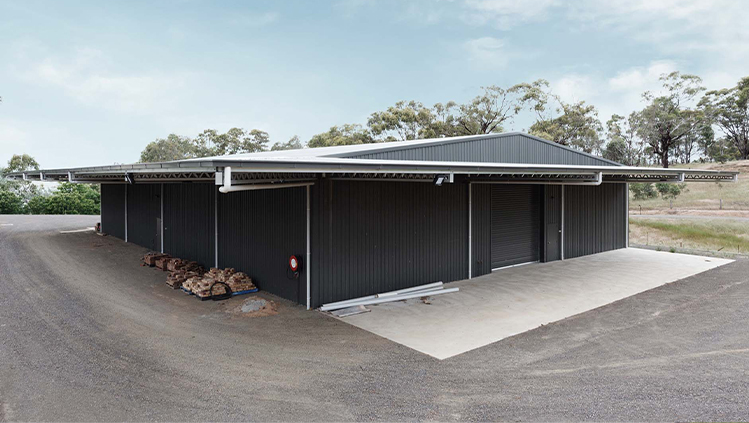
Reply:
x=709, y=235
x=706, y=195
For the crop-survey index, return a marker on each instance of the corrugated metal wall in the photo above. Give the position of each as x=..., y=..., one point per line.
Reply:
x=552, y=222
x=382, y=236
x=143, y=213
x=113, y=209
x=595, y=219
x=258, y=231
x=514, y=148
x=481, y=241
x=189, y=221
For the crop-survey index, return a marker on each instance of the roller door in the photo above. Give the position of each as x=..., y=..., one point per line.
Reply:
x=515, y=224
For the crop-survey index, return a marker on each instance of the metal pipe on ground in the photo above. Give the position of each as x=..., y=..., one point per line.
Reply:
x=385, y=294
x=395, y=298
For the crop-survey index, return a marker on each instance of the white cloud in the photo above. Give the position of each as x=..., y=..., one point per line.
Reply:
x=574, y=87
x=487, y=52
x=87, y=76
x=639, y=79
x=505, y=14
x=671, y=25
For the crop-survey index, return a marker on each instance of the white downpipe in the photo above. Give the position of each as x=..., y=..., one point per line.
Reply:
x=470, y=229
x=395, y=298
x=308, y=266
x=426, y=287
x=228, y=187
x=252, y=187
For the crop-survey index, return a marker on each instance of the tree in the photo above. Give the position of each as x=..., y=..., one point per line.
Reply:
x=577, y=126
x=488, y=112
x=347, y=134
x=666, y=120
x=19, y=163
x=234, y=141
x=10, y=202
x=291, y=144
x=173, y=147
x=729, y=110
x=626, y=145
x=616, y=150
x=402, y=122
x=72, y=198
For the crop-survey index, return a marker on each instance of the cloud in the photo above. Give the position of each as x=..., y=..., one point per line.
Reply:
x=505, y=14
x=487, y=52
x=88, y=76
x=640, y=79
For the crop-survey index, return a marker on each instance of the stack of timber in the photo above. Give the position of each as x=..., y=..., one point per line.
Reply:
x=151, y=258
x=192, y=278
x=216, y=281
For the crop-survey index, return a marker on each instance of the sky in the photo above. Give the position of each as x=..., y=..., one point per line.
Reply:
x=91, y=82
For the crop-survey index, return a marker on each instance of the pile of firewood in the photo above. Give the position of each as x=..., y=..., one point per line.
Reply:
x=177, y=278
x=192, y=277
x=201, y=286
x=150, y=259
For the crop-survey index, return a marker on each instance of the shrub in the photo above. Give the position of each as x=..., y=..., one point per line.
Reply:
x=669, y=191
x=643, y=191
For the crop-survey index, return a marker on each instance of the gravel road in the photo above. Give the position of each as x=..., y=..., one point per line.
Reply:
x=88, y=334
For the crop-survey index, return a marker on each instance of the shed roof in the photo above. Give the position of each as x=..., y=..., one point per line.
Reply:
x=512, y=156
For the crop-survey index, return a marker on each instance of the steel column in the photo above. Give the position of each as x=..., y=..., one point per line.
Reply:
x=470, y=230
x=215, y=228
x=561, y=241
x=126, y=213
x=308, y=266
x=161, y=229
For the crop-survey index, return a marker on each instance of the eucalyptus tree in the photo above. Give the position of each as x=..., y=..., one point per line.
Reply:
x=728, y=109
x=347, y=134
x=667, y=119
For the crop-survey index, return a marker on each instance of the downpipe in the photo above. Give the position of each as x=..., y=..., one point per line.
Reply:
x=227, y=187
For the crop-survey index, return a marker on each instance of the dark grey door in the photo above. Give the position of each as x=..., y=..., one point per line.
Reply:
x=552, y=242
x=515, y=224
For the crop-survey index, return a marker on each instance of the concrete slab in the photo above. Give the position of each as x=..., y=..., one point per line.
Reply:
x=517, y=299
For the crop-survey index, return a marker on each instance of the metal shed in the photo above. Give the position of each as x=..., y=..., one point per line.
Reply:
x=374, y=217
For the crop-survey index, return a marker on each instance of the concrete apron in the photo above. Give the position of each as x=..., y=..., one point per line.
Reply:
x=514, y=300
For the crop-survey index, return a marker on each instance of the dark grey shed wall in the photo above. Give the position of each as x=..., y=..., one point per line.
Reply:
x=380, y=236
x=511, y=148
x=595, y=219
x=113, y=209
x=258, y=231
x=143, y=213
x=552, y=222
x=189, y=221
x=481, y=241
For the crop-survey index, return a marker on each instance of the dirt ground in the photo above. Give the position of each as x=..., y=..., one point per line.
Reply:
x=86, y=334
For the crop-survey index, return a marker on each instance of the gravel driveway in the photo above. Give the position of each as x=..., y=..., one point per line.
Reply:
x=88, y=334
